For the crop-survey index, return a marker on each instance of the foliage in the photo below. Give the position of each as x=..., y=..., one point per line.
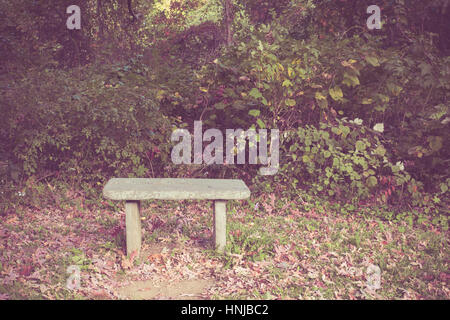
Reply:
x=100, y=121
x=270, y=79
x=86, y=101
x=364, y=121
x=342, y=160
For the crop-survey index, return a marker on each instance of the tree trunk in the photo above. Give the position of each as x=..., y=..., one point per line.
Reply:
x=228, y=19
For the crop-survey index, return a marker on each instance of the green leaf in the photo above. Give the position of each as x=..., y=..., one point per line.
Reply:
x=321, y=100
x=290, y=102
x=220, y=106
x=350, y=80
x=345, y=130
x=255, y=93
x=372, y=181
x=238, y=104
x=394, y=89
x=323, y=104
x=291, y=72
x=360, y=145
x=435, y=143
x=320, y=96
x=336, y=93
x=287, y=83
x=260, y=45
x=254, y=112
x=261, y=124
x=373, y=61
x=358, y=121
x=379, y=127
x=425, y=69
x=380, y=150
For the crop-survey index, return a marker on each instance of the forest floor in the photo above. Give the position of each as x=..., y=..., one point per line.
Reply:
x=275, y=251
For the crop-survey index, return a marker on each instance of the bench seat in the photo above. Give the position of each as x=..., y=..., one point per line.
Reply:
x=133, y=190
x=175, y=189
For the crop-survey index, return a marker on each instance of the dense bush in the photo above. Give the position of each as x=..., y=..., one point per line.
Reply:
x=89, y=123
x=343, y=160
x=270, y=79
x=301, y=66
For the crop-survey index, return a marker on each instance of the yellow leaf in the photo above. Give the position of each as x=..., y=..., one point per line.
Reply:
x=290, y=72
x=320, y=96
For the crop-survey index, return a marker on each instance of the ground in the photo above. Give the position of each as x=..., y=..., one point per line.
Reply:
x=275, y=250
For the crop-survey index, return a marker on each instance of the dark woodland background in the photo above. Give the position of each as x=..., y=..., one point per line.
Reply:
x=81, y=106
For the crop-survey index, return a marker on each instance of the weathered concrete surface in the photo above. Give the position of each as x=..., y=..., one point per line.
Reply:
x=133, y=227
x=175, y=189
x=220, y=225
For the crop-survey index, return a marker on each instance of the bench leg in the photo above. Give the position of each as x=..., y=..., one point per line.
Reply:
x=133, y=226
x=220, y=224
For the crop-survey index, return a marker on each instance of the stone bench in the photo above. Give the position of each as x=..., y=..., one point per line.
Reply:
x=133, y=190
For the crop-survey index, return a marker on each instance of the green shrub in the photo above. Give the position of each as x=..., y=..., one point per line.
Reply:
x=342, y=160
x=91, y=123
